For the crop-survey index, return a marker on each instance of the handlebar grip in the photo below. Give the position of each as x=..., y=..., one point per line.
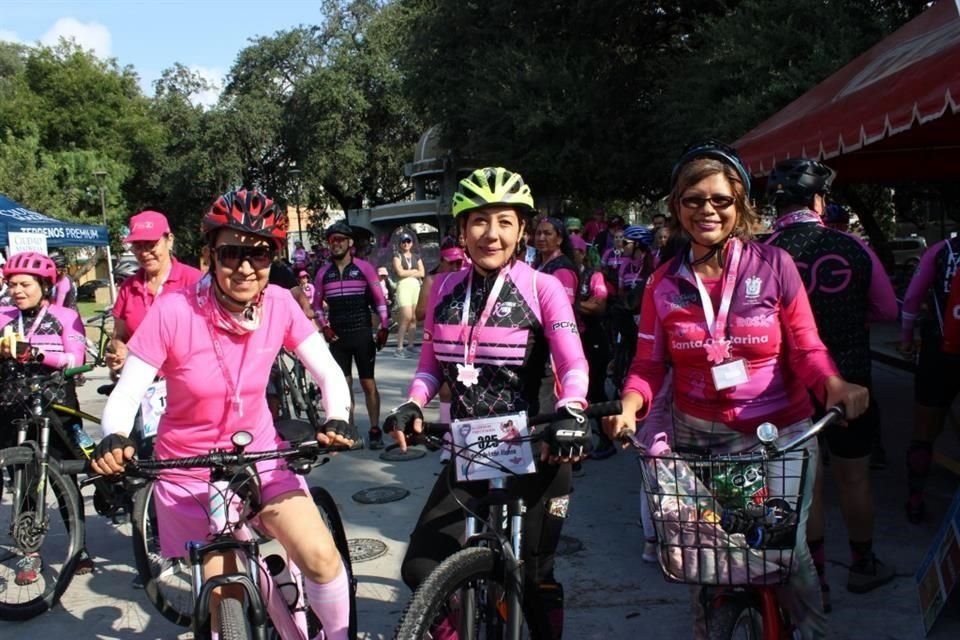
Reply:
x=75, y=371
x=74, y=467
x=602, y=409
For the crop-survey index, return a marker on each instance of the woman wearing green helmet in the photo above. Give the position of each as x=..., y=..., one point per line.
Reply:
x=479, y=334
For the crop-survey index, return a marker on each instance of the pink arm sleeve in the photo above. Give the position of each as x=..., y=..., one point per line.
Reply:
x=566, y=350
x=808, y=358
x=318, y=297
x=917, y=291
x=373, y=282
x=649, y=368
x=428, y=377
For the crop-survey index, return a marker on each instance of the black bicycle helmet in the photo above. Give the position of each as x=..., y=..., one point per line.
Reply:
x=797, y=180
x=717, y=150
x=58, y=259
x=339, y=227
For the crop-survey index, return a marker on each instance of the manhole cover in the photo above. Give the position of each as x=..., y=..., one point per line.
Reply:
x=380, y=495
x=568, y=545
x=363, y=549
x=393, y=454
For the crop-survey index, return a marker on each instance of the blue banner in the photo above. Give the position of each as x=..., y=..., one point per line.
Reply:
x=15, y=217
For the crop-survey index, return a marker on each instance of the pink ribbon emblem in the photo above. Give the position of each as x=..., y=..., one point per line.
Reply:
x=717, y=350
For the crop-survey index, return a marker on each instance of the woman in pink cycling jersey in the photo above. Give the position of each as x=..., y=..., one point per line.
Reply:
x=216, y=342
x=733, y=318
x=480, y=334
x=56, y=332
x=555, y=254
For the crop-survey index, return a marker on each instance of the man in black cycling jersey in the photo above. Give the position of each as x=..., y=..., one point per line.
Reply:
x=349, y=287
x=848, y=288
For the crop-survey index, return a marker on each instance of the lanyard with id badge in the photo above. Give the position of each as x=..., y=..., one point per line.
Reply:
x=727, y=371
x=491, y=447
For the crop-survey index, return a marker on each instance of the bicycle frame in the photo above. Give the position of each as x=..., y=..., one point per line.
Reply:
x=505, y=532
x=98, y=349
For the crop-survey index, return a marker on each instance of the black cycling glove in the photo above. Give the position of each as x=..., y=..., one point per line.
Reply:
x=403, y=417
x=340, y=428
x=111, y=442
x=569, y=436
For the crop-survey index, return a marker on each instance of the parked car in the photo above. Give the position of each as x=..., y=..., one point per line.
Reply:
x=87, y=292
x=908, y=251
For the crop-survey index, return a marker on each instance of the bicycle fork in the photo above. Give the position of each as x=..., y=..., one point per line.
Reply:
x=20, y=480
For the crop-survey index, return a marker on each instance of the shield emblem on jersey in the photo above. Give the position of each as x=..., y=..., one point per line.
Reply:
x=753, y=285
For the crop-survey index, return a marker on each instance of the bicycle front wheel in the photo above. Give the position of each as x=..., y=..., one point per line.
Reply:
x=41, y=534
x=233, y=620
x=331, y=517
x=167, y=582
x=463, y=595
x=734, y=619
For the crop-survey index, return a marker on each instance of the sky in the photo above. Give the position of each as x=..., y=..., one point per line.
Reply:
x=152, y=35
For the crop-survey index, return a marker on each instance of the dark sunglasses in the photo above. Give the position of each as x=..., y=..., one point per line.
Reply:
x=699, y=202
x=232, y=256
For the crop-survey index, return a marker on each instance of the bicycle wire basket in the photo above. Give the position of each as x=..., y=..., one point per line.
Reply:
x=725, y=520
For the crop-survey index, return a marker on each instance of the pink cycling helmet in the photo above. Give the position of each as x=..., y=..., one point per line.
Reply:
x=31, y=263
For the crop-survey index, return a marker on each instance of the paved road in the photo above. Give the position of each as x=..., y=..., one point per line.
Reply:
x=611, y=593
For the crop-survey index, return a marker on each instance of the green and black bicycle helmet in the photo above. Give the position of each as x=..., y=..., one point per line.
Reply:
x=491, y=186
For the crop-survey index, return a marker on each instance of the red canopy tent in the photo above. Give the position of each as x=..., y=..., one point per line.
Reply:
x=891, y=114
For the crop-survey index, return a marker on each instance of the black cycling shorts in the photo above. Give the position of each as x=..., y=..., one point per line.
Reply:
x=855, y=440
x=937, y=381
x=359, y=347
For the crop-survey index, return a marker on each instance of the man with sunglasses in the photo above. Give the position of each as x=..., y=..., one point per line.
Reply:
x=848, y=288
x=349, y=287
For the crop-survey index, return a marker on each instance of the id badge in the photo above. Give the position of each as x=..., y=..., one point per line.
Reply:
x=729, y=374
x=485, y=446
x=152, y=406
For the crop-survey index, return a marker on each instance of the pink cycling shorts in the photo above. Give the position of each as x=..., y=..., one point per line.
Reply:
x=181, y=503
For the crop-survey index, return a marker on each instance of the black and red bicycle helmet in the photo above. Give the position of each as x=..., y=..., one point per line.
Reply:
x=247, y=211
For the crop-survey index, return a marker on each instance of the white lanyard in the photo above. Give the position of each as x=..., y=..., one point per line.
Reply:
x=718, y=347
x=34, y=326
x=470, y=345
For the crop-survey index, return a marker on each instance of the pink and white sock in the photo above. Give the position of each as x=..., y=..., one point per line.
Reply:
x=331, y=602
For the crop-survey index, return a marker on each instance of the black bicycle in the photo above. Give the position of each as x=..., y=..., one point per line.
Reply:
x=41, y=511
x=479, y=591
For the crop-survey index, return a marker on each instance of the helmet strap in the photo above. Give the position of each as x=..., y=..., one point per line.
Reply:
x=244, y=306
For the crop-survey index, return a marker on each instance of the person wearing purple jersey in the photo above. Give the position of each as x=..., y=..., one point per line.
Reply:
x=481, y=333
x=349, y=286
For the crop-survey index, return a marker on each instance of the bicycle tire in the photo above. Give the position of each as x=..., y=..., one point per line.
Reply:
x=153, y=570
x=233, y=621
x=734, y=619
x=55, y=576
x=430, y=603
x=331, y=517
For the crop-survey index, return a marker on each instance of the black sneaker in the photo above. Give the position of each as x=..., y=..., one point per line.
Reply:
x=375, y=436
x=867, y=574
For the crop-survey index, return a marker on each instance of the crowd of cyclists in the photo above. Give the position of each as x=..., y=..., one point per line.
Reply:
x=691, y=321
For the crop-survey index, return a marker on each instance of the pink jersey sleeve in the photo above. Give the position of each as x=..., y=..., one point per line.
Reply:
x=883, y=299
x=809, y=359
x=649, y=368
x=428, y=377
x=560, y=329
x=917, y=291
x=318, y=296
x=568, y=279
x=73, y=348
x=598, y=286
x=376, y=290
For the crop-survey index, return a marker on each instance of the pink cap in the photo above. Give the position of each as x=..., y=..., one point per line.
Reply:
x=578, y=243
x=452, y=254
x=303, y=274
x=382, y=271
x=147, y=225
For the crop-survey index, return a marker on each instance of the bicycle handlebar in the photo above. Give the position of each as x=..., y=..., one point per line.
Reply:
x=598, y=410
x=767, y=433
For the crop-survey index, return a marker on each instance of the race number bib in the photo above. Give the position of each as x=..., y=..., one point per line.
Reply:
x=492, y=447
x=152, y=406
